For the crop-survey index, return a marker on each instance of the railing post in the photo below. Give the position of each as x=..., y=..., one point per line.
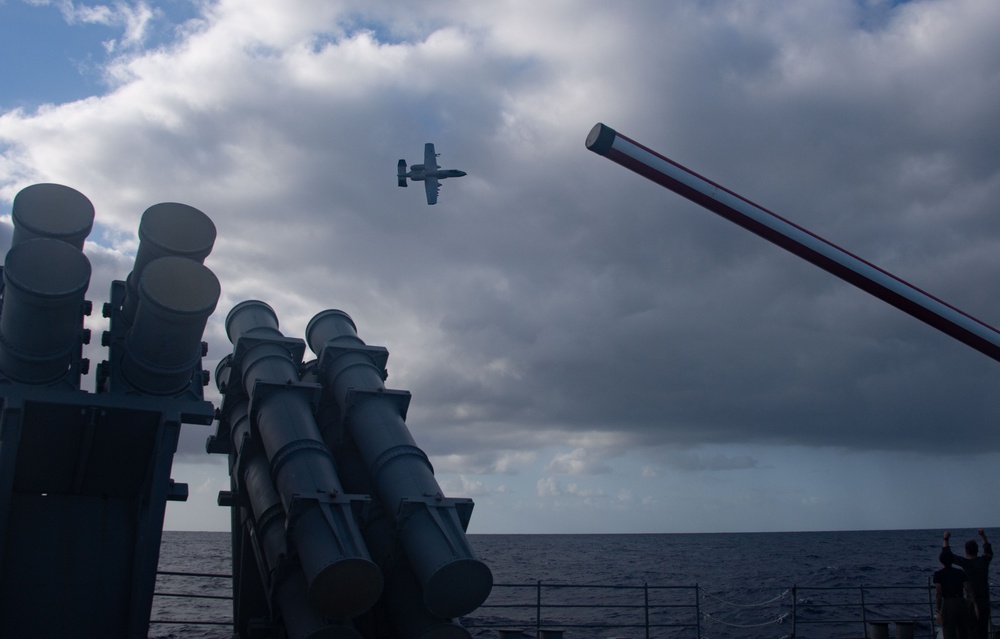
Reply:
x=645, y=591
x=864, y=612
x=697, y=609
x=538, y=610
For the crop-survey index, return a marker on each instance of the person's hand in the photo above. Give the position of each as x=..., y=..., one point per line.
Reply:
x=947, y=535
x=982, y=533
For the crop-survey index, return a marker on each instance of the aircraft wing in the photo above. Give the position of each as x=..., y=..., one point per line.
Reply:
x=430, y=158
x=432, y=186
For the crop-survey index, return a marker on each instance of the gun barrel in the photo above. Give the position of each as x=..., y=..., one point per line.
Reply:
x=622, y=150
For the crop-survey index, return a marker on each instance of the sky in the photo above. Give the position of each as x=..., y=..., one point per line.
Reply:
x=587, y=352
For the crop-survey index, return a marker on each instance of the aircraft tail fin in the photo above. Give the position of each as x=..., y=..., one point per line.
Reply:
x=401, y=172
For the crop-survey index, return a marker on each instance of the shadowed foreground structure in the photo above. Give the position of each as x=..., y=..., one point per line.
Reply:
x=339, y=528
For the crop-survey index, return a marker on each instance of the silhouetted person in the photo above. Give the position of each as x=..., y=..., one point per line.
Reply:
x=977, y=567
x=951, y=586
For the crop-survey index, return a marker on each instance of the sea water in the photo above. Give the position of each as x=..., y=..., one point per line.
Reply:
x=748, y=584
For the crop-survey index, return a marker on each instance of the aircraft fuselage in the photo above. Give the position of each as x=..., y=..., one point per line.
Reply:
x=429, y=173
x=418, y=174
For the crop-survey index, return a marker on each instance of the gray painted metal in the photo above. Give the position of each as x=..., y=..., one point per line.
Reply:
x=84, y=477
x=342, y=580
x=281, y=573
x=293, y=430
x=431, y=527
x=402, y=606
x=41, y=323
x=429, y=173
x=167, y=229
x=163, y=345
x=52, y=211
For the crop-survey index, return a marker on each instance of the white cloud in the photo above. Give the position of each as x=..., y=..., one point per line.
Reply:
x=578, y=462
x=715, y=462
x=133, y=18
x=462, y=486
x=548, y=487
x=484, y=462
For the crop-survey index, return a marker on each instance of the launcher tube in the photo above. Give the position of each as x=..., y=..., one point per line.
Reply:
x=167, y=229
x=41, y=320
x=301, y=620
x=453, y=581
x=605, y=141
x=163, y=345
x=265, y=503
x=402, y=598
x=51, y=211
x=342, y=581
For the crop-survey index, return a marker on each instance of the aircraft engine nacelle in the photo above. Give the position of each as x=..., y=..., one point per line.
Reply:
x=417, y=172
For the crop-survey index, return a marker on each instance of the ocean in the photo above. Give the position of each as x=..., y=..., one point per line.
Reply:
x=712, y=586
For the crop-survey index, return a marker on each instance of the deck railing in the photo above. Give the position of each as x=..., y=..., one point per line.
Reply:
x=585, y=611
x=542, y=608
x=855, y=608
x=208, y=607
x=551, y=610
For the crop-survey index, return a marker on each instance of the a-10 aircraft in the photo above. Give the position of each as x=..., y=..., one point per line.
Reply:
x=429, y=173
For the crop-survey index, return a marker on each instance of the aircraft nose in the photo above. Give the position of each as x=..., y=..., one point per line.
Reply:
x=462, y=174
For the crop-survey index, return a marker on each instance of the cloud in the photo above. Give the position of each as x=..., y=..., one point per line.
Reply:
x=483, y=462
x=548, y=487
x=461, y=485
x=553, y=301
x=584, y=493
x=133, y=18
x=693, y=462
x=577, y=462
